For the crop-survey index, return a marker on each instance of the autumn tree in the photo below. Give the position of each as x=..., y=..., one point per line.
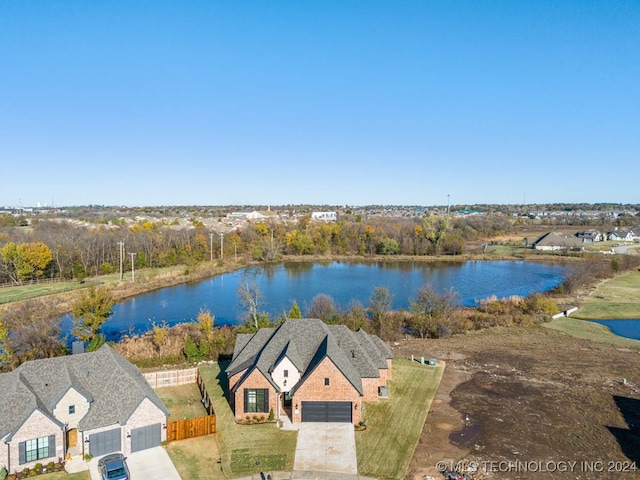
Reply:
x=432, y=311
x=379, y=308
x=295, y=311
x=90, y=311
x=322, y=307
x=25, y=261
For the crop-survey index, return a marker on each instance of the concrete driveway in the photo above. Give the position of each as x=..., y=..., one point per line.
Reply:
x=326, y=447
x=151, y=463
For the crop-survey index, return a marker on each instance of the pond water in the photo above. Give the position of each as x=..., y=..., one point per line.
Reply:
x=624, y=328
x=281, y=284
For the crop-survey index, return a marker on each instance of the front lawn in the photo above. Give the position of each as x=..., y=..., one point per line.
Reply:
x=394, y=424
x=197, y=458
x=182, y=402
x=246, y=449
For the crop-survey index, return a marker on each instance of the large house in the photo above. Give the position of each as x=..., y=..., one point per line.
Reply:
x=309, y=371
x=557, y=241
x=91, y=403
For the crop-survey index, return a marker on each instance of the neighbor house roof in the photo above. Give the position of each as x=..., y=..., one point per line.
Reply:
x=557, y=239
x=114, y=387
x=306, y=342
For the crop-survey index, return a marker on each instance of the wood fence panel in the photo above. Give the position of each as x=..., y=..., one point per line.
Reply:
x=171, y=378
x=191, y=428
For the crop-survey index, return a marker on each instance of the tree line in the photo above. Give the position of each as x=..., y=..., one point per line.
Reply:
x=60, y=249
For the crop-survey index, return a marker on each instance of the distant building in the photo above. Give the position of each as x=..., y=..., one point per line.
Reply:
x=590, y=236
x=324, y=216
x=622, y=234
x=557, y=241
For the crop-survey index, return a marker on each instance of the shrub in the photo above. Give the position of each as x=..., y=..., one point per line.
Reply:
x=271, y=415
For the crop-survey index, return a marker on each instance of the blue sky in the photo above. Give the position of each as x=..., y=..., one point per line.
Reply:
x=323, y=102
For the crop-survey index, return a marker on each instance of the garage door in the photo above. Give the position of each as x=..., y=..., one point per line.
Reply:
x=326, y=411
x=105, y=442
x=146, y=437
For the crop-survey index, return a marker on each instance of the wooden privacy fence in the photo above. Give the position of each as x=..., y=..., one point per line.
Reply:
x=190, y=428
x=206, y=400
x=172, y=378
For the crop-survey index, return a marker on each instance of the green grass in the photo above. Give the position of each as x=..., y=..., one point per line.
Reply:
x=614, y=299
x=590, y=331
x=182, y=402
x=197, y=458
x=242, y=446
x=25, y=292
x=394, y=425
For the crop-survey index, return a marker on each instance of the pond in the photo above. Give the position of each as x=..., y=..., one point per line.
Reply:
x=625, y=328
x=345, y=282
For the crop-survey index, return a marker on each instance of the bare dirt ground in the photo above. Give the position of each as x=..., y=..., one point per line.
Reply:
x=529, y=404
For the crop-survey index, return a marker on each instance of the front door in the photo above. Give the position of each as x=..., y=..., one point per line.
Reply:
x=72, y=441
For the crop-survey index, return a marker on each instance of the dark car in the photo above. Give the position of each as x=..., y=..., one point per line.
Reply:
x=113, y=467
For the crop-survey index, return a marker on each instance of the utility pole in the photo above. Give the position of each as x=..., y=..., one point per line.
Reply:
x=133, y=268
x=121, y=243
x=447, y=204
x=211, y=247
x=221, y=245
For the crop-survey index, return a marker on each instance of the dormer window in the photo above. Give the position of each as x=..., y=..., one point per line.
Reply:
x=72, y=409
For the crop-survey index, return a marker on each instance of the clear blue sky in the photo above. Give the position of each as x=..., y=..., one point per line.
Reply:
x=324, y=102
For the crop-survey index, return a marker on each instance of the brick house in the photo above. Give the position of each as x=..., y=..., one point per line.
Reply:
x=309, y=371
x=92, y=403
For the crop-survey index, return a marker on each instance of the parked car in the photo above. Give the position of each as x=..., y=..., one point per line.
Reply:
x=113, y=467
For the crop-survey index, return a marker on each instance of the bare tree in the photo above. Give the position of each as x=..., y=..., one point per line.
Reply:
x=251, y=300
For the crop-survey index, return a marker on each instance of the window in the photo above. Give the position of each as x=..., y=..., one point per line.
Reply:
x=72, y=409
x=326, y=382
x=286, y=373
x=37, y=449
x=256, y=400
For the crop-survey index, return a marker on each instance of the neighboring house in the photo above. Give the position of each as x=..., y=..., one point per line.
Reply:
x=590, y=236
x=309, y=371
x=621, y=234
x=91, y=403
x=557, y=241
x=324, y=216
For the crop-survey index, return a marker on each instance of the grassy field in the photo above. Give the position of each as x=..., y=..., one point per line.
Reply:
x=590, y=331
x=246, y=449
x=183, y=401
x=614, y=299
x=394, y=425
x=66, y=476
x=16, y=294
x=197, y=458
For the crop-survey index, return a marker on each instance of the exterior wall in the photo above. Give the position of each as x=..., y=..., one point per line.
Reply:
x=254, y=380
x=146, y=414
x=37, y=425
x=4, y=453
x=278, y=375
x=314, y=389
x=370, y=387
x=233, y=379
x=61, y=410
x=83, y=437
x=389, y=368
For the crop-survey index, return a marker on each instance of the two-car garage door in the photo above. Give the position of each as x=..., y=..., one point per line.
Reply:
x=111, y=441
x=326, y=411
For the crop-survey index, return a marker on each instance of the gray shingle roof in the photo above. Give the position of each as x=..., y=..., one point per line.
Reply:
x=114, y=387
x=306, y=342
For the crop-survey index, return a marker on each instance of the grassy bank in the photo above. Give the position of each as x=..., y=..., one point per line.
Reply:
x=394, y=425
x=613, y=299
x=591, y=331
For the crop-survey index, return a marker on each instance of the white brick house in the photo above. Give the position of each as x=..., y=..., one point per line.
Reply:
x=93, y=403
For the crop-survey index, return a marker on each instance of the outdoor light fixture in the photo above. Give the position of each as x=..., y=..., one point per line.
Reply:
x=128, y=434
x=164, y=426
x=355, y=406
x=285, y=381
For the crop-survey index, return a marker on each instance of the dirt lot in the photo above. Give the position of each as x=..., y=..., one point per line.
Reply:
x=535, y=398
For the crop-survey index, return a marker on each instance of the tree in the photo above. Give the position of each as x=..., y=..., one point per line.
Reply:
x=251, y=300
x=379, y=307
x=322, y=307
x=90, y=311
x=25, y=261
x=206, y=321
x=295, y=311
x=431, y=311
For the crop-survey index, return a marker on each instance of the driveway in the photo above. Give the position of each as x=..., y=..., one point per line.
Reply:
x=326, y=447
x=151, y=463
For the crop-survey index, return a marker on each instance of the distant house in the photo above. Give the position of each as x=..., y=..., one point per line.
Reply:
x=309, y=371
x=324, y=216
x=621, y=234
x=590, y=236
x=91, y=403
x=557, y=241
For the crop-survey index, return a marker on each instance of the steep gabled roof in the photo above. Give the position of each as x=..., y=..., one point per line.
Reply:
x=114, y=387
x=306, y=342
